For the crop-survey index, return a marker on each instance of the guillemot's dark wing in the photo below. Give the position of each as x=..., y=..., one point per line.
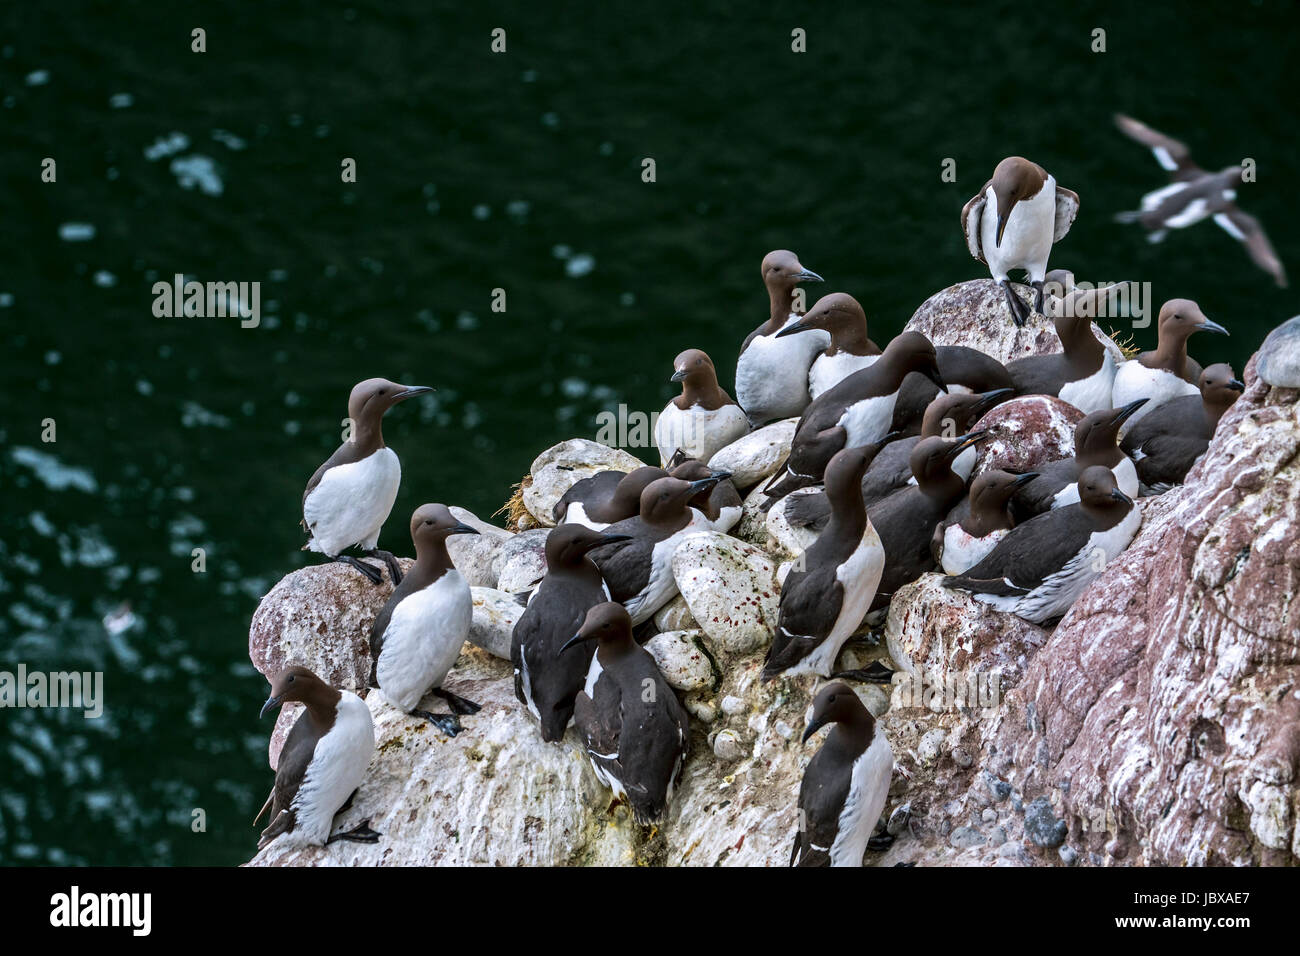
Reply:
x=625, y=565
x=825, y=788
x=1028, y=554
x=1246, y=229
x=1172, y=155
x=290, y=770
x=810, y=603
x=971, y=215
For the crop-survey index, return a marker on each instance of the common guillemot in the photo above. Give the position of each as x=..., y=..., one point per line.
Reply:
x=635, y=730
x=638, y=569
x=846, y=783
x=1041, y=566
x=850, y=350
x=322, y=763
x=1083, y=373
x=772, y=373
x=348, y=499
x=1168, y=372
x=419, y=632
x=1012, y=223
x=546, y=681
x=1168, y=442
x=703, y=419
x=963, y=539
x=1096, y=442
x=857, y=411
x=827, y=593
x=605, y=497
x=721, y=504
x=1194, y=195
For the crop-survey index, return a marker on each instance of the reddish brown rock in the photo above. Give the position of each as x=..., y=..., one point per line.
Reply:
x=1025, y=433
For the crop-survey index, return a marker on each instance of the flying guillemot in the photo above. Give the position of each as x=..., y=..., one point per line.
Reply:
x=1168, y=442
x=1168, y=372
x=1194, y=195
x=1042, y=566
x=703, y=419
x=634, y=728
x=322, y=763
x=605, y=497
x=772, y=373
x=827, y=593
x=968, y=534
x=846, y=783
x=348, y=499
x=1012, y=223
x=419, y=632
x=638, y=569
x=857, y=411
x=1096, y=442
x=546, y=681
x=850, y=350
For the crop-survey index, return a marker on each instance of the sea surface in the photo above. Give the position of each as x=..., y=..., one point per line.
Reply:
x=478, y=171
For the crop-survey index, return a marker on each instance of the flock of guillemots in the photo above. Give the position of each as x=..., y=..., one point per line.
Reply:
x=880, y=459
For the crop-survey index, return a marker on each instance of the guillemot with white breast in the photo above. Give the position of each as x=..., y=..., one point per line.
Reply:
x=1168, y=372
x=850, y=350
x=969, y=533
x=348, y=499
x=703, y=419
x=605, y=497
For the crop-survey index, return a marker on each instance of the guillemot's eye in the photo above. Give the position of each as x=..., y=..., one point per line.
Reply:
x=290, y=679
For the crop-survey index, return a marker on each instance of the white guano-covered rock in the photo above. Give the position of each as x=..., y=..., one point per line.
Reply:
x=561, y=466
x=682, y=659
x=493, y=622
x=757, y=455
x=730, y=587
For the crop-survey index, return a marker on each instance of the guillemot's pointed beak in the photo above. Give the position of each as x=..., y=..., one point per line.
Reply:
x=1002, y=225
x=813, y=727
x=1127, y=411
x=807, y=275
x=794, y=328
x=720, y=475
x=411, y=392
x=576, y=639
x=703, y=483
x=462, y=528
x=1024, y=479
x=270, y=702
x=679, y=375
x=1208, y=326
x=933, y=375
x=990, y=398
x=962, y=442
x=1120, y=496
x=1236, y=384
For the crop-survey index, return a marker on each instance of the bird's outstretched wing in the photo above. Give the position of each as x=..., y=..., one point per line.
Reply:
x=1172, y=155
x=1067, y=207
x=971, y=216
x=1246, y=229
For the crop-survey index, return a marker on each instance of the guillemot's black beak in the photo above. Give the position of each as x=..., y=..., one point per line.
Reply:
x=1128, y=410
x=679, y=375
x=270, y=702
x=703, y=483
x=576, y=639
x=720, y=475
x=962, y=442
x=1024, y=479
x=813, y=726
x=990, y=398
x=412, y=392
x=1120, y=496
x=807, y=275
x=794, y=328
x=1236, y=384
x=933, y=375
x=1002, y=225
x=462, y=528
x=1208, y=326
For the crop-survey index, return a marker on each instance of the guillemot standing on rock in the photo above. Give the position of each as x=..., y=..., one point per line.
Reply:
x=1041, y=566
x=850, y=349
x=1168, y=372
x=638, y=569
x=634, y=728
x=1012, y=223
x=419, y=632
x=1194, y=195
x=1168, y=442
x=964, y=539
x=905, y=521
x=857, y=411
x=701, y=420
x=605, y=497
x=1096, y=442
x=546, y=681
x=348, y=499
x=826, y=595
x=772, y=373
x=321, y=764
x=721, y=504
x=845, y=785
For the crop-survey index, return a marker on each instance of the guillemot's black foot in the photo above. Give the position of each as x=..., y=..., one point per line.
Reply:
x=375, y=575
x=347, y=804
x=882, y=842
x=394, y=569
x=877, y=673
x=1038, y=297
x=1019, y=311
x=459, y=705
x=361, y=833
x=449, y=724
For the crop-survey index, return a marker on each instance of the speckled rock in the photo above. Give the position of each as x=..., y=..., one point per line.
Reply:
x=561, y=466
x=730, y=587
x=975, y=314
x=683, y=659
x=523, y=561
x=756, y=456
x=752, y=526
x=1025, y=433
x=495, y=615
x=675, y=616
x=1279, y=356
x=477, y=556
x=785, y=540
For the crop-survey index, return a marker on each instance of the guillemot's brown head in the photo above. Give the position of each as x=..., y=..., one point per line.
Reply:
x=844, y=318
x=1015, y=179
x=297, y=683
x=837, y=704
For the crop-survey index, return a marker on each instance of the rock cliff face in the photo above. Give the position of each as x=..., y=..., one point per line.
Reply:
x=1159, y=723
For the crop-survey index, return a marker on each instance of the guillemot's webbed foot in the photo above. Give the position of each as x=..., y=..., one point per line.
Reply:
x=394, y=569
x=876, y=673
x=374, y=574
x=449, y=724
x=347, y=804
x=1038, y=297
x=361, y=833
x=459, y=705
x=1019, y=311
x=882, y=842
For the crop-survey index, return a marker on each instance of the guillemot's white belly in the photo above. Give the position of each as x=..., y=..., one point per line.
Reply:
x=1092, y=394
x=1133, y=380
x=868, y=420
x=772, y=374
x=829, y=370
x=351, y=503
x=336, y=769
x=962, y=550
x=575, y=513
x=1027, y=239
x=423, y=639
x=662, y=586
x=862, y=808
x=698, y=431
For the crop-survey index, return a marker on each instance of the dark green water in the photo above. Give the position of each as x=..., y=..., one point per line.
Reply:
x=479, y=171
